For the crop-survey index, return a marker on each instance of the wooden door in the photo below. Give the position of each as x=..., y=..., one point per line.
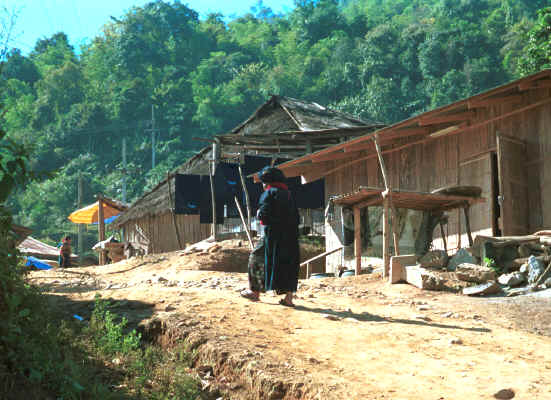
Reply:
x=513, y=186
x=477, y=171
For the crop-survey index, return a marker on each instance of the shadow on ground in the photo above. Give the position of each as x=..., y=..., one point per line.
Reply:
x=367, y=317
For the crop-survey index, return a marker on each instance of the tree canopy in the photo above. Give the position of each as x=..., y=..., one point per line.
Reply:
x=379, y=60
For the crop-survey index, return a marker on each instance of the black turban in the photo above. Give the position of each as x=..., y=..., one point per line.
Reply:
x=271, y=174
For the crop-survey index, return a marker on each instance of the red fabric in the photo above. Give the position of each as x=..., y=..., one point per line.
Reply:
x=279, y=185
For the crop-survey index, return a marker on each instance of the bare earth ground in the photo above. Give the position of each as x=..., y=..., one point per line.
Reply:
x=348, y=338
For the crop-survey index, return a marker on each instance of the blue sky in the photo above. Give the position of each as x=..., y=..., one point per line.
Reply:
x=81, y=20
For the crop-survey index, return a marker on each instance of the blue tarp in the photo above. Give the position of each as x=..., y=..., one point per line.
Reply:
x=36, y=263
x=108, y=220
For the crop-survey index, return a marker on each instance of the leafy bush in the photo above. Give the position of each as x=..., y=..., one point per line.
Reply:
x=491, y=263
x=109, y=335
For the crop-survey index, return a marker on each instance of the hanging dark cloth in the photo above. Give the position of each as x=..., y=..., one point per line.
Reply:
x=279, y=214
x=205, y=207
x=187, y=198
x=310, y=195
x=230, y=187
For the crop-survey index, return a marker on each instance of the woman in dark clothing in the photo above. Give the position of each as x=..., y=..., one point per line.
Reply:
x=279, y=215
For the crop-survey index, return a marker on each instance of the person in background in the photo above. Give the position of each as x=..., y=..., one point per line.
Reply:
x=278, y=213
x=65, y=252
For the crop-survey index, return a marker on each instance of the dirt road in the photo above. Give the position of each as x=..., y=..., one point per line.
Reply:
x=348, y=338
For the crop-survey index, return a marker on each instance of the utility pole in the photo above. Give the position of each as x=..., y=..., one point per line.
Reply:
x=153, y=131
x=80, y=227
x=124, y=170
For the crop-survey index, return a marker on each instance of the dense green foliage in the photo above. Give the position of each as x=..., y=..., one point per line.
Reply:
x=380, y=60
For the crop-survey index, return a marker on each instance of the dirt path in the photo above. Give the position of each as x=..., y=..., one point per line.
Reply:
x=348, y=338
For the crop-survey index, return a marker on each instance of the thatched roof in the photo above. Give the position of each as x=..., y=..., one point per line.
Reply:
x=305, y=116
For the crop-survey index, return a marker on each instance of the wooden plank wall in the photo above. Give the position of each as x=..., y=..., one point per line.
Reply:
x=160, y=231
x=451, y=160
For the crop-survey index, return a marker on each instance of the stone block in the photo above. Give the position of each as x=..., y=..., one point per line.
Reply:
x=474, y=273
x=486, y=288
x=434, y=259
x=462, y=256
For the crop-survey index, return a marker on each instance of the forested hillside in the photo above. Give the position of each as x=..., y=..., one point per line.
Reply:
x=381, y=60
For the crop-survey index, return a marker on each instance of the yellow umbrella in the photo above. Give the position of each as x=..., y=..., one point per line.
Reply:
x=89, y=214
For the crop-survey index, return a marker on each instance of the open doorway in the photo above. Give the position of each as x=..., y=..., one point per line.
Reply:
x=496, y=196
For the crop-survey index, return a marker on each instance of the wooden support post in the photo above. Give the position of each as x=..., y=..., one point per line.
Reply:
x=468, y=225
x=357, y=240
x=386, y=238
x=443, y=237
x=172, y=206
x=101, y=228
x=395, y=229
x=386, y=204
x=215, y=152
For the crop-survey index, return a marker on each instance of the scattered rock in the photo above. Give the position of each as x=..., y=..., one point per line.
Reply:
x=423, y=318
x=512, y=279
x=462, y=256
x=170, y=308
x=350, y=319
x=504, y=394
x=474, y=273
x=447, y=314
x=160, y=279
x=486, y=288
x=434, y=259
x=547, y=283
x=456, y=341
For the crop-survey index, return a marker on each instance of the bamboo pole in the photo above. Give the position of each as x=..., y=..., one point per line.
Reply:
x=386, y=237
x=468, y=225
x=243, y=221
x=247, y=198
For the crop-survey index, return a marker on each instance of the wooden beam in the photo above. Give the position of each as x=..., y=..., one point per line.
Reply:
x=441, y=119
x=307, y=169
x=541, y=84
x=399, y=133
x=336, y=156
x=359, y=147
x=357, y=240
x=101, y=228
x=492, y=101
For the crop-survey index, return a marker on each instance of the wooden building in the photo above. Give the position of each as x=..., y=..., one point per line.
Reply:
x=499, y=140
x=280, y=128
